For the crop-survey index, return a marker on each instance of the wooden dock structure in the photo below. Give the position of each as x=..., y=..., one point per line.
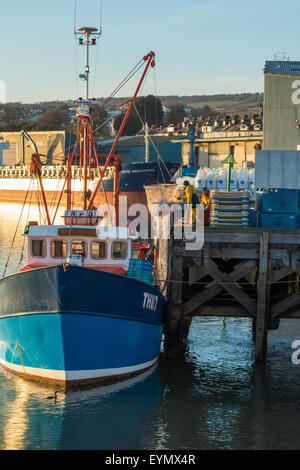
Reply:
x=239, y=272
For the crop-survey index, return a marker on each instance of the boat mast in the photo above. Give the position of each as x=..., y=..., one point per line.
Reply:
x=87, y=38
x=87, y=41
x=146, y=128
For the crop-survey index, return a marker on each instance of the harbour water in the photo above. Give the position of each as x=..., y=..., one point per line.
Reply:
x=214, y=398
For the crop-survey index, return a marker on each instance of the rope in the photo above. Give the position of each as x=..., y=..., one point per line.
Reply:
x=23, y=245
x=215, y=283
x=41, y=214
x=16, y=231
x=52, y=204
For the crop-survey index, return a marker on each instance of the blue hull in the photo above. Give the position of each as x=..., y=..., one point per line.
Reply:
x=78, y=326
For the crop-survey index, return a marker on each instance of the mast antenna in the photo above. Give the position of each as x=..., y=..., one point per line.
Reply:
x=87, y=36
x=99, y=26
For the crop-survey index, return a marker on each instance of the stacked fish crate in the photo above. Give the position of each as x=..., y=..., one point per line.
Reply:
x=229, y=209
x=141, y=269
x=279, y=208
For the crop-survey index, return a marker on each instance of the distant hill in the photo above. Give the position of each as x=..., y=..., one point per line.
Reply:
x=239, y=103
x=243, y=103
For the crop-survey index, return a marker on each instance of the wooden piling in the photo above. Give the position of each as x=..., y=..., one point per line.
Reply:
x=251, y=273
x=263, y=289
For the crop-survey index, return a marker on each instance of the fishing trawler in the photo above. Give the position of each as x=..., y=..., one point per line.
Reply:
x=82, y=309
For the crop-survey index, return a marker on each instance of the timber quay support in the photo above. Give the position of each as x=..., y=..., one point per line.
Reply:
x=246, y=272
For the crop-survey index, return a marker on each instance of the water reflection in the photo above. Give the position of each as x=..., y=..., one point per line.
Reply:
x=17, y=422
x=121, y=416
x=217, y=399
x=104, y=417
x=28, y=420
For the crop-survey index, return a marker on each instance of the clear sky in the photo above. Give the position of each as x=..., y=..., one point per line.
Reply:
x=202, y=46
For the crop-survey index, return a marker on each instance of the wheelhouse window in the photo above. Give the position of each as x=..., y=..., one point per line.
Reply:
x=98, y=250
x=58, y=248
x=79, y=248
x=38, y=248
x=119, y=250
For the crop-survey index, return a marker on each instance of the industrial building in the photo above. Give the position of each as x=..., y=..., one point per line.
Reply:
x=217, y=138
x=281, y=105
x=52, y=146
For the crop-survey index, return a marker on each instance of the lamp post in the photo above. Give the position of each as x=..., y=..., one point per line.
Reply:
x=192, y=141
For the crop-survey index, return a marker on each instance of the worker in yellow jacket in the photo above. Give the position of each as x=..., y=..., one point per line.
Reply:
x=205, y=199
x=190, y=197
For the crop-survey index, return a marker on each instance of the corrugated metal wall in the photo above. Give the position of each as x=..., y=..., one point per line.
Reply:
x=277, y=169
x=280, y=114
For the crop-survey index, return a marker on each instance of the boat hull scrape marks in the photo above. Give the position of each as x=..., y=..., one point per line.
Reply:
x=63, y=328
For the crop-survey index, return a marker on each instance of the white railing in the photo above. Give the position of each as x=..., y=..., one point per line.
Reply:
x=49, y=172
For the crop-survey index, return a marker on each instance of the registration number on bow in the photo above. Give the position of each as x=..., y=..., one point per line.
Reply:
x=150, y=301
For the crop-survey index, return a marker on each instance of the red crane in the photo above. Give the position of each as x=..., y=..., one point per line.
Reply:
x=88, y=156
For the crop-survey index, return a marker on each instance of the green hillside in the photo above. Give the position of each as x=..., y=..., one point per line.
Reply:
x=244, y=103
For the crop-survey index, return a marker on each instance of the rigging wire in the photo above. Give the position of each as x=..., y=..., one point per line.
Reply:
x=144, y=82
x=52, y=206
x=100, y=33
x=101, y=16
x=155, y=94
x=76, y=70
x=16, y=230
x=105, y=102
x=23, y=244
x=123, y=82
x=75, y=15
x=159, y=159
x=95, y=71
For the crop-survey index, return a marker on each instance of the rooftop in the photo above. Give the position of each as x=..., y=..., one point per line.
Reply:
x=282, y=67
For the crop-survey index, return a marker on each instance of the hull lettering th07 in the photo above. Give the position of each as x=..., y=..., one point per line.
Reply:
x=150, y=301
